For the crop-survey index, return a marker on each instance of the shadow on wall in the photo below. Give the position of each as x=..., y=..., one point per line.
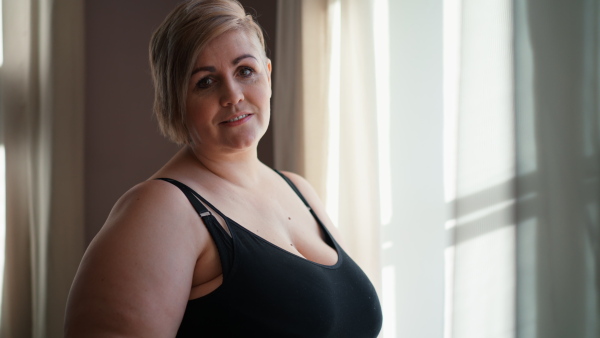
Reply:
x=558, y=208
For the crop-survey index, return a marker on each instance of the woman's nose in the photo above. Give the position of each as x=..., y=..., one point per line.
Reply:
x=231, y=94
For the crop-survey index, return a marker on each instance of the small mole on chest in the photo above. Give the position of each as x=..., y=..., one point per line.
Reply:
x=290, y=218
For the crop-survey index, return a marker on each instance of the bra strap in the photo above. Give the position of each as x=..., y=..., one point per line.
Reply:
x=329, y=238
x=293, y=186
x=222, y=239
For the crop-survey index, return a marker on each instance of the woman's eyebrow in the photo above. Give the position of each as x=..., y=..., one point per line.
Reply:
x=205, y=68
x=241, y=57
x=213, y=69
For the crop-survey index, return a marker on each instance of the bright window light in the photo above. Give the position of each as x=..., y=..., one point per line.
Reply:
x=2, y=180
x=451, y=80
x=451, y=66
x=382, y=78
x=2, y=217
x=333, y=183
x=1, y=37
x=388, y=275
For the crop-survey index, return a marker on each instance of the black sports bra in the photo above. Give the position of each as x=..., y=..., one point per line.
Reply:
x=270, y=292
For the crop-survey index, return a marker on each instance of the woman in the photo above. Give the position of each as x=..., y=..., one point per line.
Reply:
x=254, y=253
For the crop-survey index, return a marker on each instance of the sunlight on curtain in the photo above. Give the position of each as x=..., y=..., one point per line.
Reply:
x=557, y=109
x=332, y=203
x=516, y=262
x=388, y=304
x=413, y=235
x=359, y=189
x=451, y=71
x=42, y=119
x=2, y=179
x=2, y=215
x=527, y=157
x=327, y=46
x=1, y=37
x=382, y=78
x=482, y=252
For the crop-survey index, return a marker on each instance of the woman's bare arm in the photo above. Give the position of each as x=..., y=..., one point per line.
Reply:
x=135, y=277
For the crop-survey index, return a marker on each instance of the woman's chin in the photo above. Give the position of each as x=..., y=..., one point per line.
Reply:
x=247, y=140
x=240, y=144
x=241, y=140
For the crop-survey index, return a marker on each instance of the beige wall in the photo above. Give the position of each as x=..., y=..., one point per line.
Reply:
x=122, y=143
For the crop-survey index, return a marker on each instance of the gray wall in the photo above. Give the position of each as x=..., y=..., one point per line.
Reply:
x=122, y=142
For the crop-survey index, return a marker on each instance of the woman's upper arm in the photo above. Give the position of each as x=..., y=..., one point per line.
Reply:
x=135, y=277
x=315, y=203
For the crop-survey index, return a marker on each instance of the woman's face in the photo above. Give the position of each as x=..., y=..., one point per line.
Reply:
x=228, y=99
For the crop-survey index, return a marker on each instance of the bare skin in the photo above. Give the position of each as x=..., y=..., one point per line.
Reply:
x=154, y=254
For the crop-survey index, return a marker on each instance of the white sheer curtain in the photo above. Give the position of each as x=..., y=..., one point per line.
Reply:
x=493, y=134
x=370, y=141
x=358, y=192
x=41, y=88
x=484, y=202
x=324, y=82
x=301, y=77
x=525, y=231
x=557, y=106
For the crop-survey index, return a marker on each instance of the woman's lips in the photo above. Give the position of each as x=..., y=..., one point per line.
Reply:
x=237, y=120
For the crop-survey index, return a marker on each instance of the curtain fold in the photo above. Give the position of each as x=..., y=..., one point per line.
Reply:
x=558, y=209
x=484, y=231
x=41, y=88
x=301, y=83
x=325, y=116
x=359, y=209
x=527, y=207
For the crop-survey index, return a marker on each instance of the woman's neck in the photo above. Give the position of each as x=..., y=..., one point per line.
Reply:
x=239, y=168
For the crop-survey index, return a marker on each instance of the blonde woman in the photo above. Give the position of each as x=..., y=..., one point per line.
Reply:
x=216, y=244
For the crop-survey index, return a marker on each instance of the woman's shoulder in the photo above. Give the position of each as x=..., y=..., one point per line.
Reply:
x=305, y=188
x=153, y=210
x=300, y=182
x=149, y=198
x=135, y=276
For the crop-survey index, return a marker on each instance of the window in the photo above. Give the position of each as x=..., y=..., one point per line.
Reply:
x=2, y=174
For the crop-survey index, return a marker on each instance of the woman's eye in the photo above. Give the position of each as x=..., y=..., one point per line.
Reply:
x=205, y=82
x=246, y=71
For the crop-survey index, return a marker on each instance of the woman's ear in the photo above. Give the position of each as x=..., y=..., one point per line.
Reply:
x=269, y=70
x=268, y=67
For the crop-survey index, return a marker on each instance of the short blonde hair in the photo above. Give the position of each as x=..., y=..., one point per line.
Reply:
x=174, y=48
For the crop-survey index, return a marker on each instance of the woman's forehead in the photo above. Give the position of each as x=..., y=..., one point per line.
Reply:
x=229, y=46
